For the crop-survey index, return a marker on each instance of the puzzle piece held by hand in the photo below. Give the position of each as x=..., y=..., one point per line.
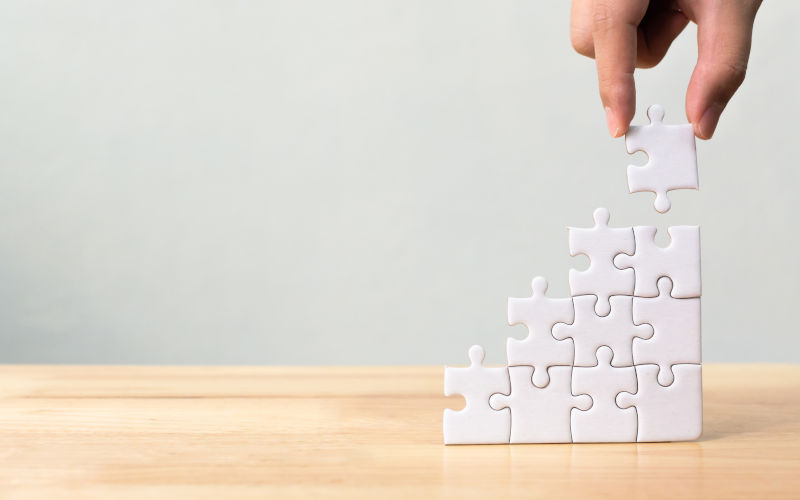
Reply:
x=671, y=157
x=477, y=423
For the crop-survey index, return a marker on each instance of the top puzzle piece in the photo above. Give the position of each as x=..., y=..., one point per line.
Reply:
x=601, y=244
x=671, y=157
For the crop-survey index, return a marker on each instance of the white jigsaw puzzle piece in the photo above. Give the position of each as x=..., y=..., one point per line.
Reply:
x=680, y=261
x=673, y=413
x=671, y=157
x=601, y=244
x=477, y=423
x=540, y=415
x=604, y=422
x=539, y=349
x=676, y=331
x=590, y=331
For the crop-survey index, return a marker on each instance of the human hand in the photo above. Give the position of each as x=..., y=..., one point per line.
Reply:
x=625, y=34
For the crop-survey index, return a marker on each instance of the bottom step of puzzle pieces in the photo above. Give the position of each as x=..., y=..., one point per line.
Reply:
x=602, y=403
x=672, y=413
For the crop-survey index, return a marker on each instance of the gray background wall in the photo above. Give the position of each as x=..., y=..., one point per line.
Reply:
x=321, y=182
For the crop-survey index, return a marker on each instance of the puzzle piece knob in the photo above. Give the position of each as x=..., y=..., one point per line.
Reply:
x=539, y=286
x=662, y=203
x=604, y=355
x=655, y=113
x=540, y=377
x=601, y=217
x=476, y=355
x=664, y=285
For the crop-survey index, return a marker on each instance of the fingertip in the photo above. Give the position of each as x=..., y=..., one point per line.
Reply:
x=625, y=121
x=705, y=127
x=617, y=124
x=620, y=104
x=611, y=122
x=701, y=111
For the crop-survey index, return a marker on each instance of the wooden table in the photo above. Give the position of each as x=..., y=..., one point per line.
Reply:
x=130, y=432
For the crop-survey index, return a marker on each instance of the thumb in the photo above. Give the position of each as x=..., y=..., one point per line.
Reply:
x=724, y=34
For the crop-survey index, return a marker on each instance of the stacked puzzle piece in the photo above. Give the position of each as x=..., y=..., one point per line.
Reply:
x=618, y=361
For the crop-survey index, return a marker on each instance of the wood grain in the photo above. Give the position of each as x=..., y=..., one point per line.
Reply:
x=130, y=432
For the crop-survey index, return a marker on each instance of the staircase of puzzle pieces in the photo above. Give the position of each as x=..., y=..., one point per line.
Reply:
x=618, y=361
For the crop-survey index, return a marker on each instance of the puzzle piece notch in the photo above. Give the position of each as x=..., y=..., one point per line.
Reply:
x=680, y=261
x=673, y=413
x=615, y=330
x=601, y=244
x=676, y=331
x=604, y=422
x=671, y=155
x=477, y=422
x=540, y=415
x=539, y=349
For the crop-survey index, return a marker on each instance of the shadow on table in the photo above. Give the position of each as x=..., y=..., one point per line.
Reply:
x=728, y=414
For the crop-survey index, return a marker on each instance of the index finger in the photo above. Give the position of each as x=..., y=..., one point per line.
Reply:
x=614, y=28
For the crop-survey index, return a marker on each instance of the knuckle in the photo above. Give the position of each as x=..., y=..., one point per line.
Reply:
x=648, y=59
x=617, y=90
x=612, y=90
x=733, y=73
x=647, y=62
x=582, y=42
x=603, y=17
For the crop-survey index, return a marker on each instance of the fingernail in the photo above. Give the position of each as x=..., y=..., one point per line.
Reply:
x=611, y=121
x=708, y=123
